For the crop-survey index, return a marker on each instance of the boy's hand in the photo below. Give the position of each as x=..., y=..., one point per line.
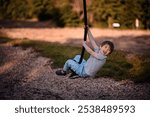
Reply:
x=86, y=27
x=84, y=43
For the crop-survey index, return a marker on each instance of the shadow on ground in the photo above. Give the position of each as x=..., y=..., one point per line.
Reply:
x=25, y=24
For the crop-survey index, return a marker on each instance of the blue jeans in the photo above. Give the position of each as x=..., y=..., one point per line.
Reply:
x=75, y=66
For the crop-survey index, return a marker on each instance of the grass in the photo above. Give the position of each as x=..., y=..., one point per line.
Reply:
x=119, y=65
x=5, y=40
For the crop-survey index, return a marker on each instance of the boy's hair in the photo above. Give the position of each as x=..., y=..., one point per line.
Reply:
x=111, y=45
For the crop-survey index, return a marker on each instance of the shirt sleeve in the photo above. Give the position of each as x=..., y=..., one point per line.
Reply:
x=101, y=57
x=97, y=50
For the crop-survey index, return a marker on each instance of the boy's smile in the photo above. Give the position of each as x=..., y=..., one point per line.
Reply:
x=105, y=49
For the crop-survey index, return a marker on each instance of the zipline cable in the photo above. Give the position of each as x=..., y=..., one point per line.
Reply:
x=85, y=29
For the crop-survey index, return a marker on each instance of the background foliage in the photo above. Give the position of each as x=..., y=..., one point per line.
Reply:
x=101, y=13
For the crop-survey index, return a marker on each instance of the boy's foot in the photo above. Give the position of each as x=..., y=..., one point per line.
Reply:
x=73, y=75
x=61, y=72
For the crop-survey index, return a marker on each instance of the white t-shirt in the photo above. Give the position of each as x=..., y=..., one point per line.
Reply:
x=94, y=64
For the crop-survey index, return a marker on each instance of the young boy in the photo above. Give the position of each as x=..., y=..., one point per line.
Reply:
x=96, y=60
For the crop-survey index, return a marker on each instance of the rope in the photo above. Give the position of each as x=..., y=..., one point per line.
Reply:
x=85, y=29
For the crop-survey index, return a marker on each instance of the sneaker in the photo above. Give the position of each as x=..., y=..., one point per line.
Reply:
x=61, y=72
x=73, y=75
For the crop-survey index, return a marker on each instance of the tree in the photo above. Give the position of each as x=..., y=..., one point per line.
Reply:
x=131, y=11
x=136, y=9
x=15, y=9
x=104, y=10
x=43, y=9
x=145, y=16
x=66, y=13
x=3, y=7
x=68, y=16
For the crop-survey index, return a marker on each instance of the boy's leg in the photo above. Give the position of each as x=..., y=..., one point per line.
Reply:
x=70, y=64
x=77, y=58
x=73, y=65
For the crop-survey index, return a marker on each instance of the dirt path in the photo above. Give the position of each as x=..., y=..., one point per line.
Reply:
x=136, y=41
x=26, y=75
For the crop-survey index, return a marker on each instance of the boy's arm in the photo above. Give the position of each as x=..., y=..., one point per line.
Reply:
x=89, y=50
x=91, y=38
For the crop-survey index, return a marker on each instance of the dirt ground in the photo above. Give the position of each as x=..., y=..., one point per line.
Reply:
x=136, y=41
x=26, y=75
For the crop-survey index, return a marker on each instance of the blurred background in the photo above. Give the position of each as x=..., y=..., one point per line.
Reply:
x=124, y=14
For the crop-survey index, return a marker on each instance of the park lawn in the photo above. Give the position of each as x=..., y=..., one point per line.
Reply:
x=119, y=65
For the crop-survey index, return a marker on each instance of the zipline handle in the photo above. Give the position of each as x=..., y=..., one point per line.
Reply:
x=85, y=29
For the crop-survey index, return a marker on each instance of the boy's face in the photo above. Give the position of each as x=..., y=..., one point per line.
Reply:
x=105, y=49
